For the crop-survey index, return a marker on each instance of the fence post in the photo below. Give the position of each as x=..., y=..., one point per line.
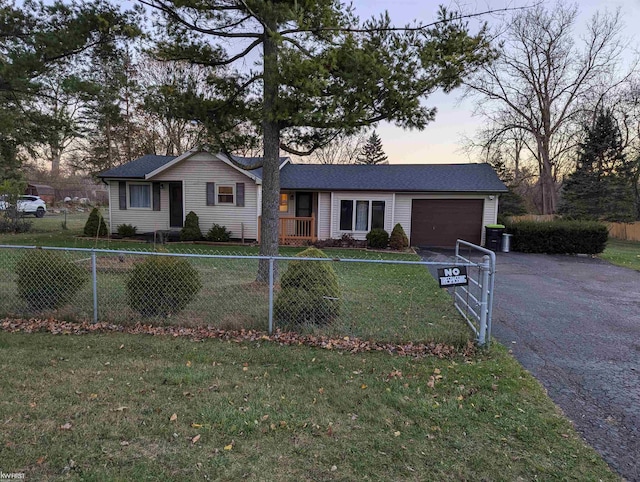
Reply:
x=270, y=296
x=94, y=283
x=485, y=267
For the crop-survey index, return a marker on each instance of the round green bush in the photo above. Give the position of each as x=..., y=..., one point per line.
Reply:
x=47, y=280
x=377, y=238
x=398, y=239
x=191, y=230
x=309, y=292
x=218, y=234
x=95, y=225
x=127, y=230
x=162, y=285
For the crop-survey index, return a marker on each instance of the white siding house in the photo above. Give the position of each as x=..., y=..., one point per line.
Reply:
x=316, y=201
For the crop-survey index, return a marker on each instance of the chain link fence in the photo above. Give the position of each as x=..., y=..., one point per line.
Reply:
x=392, y=299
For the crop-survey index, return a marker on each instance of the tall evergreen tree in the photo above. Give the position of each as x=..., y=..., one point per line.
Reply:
x=602, y=185
x=37, y=37
x=320, y=73
x=372, y=152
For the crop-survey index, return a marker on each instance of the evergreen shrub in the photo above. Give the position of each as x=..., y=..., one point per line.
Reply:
x=191, y=229
x=377, y=238
x=47, y=280
x=162, y=285
x=127, y=230
x=558, y=237
x=309, y=292
x=218, y=234
x=398, y=239
x=95, y=225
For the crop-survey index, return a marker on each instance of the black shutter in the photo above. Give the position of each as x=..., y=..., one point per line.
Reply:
x=156, y=196
x=211, y=193
x=240, y=194
x=122, y=194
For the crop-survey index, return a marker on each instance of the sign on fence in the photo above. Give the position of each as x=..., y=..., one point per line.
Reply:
x=453, y=276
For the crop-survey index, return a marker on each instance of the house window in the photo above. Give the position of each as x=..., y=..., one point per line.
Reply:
x=140, y=196
x=284, y=202
x=377, y=215
x=361, y=215
x=225, y=194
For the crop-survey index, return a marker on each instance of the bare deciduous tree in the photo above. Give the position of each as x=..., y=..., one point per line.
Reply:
x=543, y=81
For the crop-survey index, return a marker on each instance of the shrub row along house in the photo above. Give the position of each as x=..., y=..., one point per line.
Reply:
x=435, y=203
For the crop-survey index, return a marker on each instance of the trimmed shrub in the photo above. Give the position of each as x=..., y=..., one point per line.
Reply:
x=558, y=237
x=162, y=286
x=13, y=225
x=309, y=294
x=398, y=239
x=377, y=238
x=191, y=230
x=218, y=234
x=95, y=225
x=47, y=280
x=127, y=230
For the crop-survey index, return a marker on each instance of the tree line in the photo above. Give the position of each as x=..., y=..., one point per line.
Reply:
x=89, y=85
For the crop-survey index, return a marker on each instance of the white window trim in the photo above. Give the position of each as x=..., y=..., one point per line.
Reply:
x=354, y=202
x=149, y=185
x=233, y=193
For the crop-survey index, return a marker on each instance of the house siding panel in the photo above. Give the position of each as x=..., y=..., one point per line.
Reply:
x=196, y=172
x=144, y=220
x=324, y=215
x=403, y=204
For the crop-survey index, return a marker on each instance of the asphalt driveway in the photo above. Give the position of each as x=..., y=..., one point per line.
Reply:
x=574, y=323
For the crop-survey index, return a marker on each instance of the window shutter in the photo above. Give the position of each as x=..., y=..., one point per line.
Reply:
x=240, y=194
x=156, y=196
x=211, y=193
x=122, y=194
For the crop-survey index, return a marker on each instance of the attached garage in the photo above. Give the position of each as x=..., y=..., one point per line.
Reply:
x=440, y=222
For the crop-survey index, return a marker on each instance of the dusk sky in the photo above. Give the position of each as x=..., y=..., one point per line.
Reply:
x=442, y=140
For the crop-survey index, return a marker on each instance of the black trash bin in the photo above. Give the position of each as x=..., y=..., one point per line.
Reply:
x=493, y=236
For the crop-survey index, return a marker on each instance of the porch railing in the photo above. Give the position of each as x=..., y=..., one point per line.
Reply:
x=294, y=230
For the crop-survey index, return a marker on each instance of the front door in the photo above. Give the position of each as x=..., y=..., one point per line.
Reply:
x=176, y=214
x=304, y=208
x=304, y=204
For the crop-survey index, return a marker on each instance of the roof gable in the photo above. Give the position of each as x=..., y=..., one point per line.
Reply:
x=150, y=165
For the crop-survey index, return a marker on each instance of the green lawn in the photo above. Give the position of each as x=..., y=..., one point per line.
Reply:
x=99, y=407
x=395, y=303
x=623, y=253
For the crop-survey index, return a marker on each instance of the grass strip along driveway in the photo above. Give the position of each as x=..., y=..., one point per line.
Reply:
x=132, y=407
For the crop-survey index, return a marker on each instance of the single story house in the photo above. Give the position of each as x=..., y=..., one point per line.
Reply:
x=435, y=203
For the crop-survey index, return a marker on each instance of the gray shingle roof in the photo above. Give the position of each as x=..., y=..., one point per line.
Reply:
x=350, y=177
x=392, y=177
x=137, y=168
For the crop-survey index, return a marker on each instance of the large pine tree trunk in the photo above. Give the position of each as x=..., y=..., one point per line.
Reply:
x=270, y=168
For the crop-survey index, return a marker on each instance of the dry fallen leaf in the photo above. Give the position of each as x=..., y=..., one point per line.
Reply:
x=228, y=447
x=66, y=426
x=195, y=439
x=41, y=460
x=173, y=418
x=188, y=363
x=363, y=386
x=396, y=433
x=124, y=443
x=196, y=425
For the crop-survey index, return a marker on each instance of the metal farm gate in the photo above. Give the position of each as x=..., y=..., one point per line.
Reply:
x=475, y=301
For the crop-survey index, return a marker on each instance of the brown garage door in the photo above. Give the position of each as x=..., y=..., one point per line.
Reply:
x=439, y=222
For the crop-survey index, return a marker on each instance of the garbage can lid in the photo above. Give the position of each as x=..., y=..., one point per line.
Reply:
x=495, y=226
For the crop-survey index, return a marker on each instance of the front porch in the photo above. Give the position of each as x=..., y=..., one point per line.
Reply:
x=294, y=230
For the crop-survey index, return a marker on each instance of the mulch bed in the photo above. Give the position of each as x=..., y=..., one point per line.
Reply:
x=344, y=344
